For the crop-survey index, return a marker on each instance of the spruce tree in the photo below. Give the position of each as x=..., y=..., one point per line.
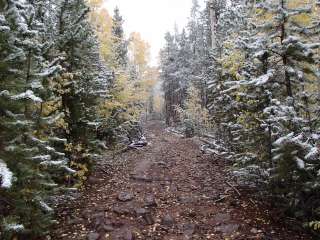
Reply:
x=168, y=75
x=119, y=43
x=30, y=158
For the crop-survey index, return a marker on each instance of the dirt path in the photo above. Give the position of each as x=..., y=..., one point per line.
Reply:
x=167, y=190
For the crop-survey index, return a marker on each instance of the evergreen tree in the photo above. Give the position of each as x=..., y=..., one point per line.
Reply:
x=169, y=78
x=200, y=57
x=31, y=159
x=289, y=109
x=119, y=43
x=52, y=78
x=87, y=78
x=256, y=64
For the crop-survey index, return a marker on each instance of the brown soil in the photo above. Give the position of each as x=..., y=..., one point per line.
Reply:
x=168, y=190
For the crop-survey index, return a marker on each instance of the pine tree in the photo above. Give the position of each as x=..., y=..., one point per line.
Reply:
x=256, y=64
x=275, y=134
x=169, y=78
x=30, y=160
x=119, y=43
x=52, y=79
x=88, y=77
x=200, y=57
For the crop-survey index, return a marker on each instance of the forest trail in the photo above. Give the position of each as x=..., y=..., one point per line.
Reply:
x=167, y=190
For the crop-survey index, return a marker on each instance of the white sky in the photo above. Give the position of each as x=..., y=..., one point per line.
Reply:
x=152, y=18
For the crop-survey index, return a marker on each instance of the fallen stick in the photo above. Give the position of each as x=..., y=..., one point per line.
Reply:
x=252, y=201
x=139, y=144
x=221, y=199
x=104, y=171
x=234, y=188
x=206, y=141
x=175, y=132
x=208, y=136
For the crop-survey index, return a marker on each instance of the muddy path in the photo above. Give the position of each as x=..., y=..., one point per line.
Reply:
x=168, y=190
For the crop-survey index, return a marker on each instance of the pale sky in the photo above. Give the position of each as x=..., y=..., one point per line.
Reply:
x=152, y=18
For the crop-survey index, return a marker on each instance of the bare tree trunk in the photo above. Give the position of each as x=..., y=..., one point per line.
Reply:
x=213, y=23
x=285, y=58
x=27, y=107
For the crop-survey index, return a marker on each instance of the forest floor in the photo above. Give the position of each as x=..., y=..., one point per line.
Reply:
x=168, y=190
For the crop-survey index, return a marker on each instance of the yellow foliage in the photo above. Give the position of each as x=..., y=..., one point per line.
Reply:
x=158, y=103
x=101, y=21
x=302, y=19
x=81, y=168
x=127, y=94
x=139, y=51
x=194, y=111
x=124, y=96
x=61, y=123
x=148, y=81
x=315, y=225
x=248, y=119
x=232, y=63
x=81, y=174
x=95, y=3
x=130, y=95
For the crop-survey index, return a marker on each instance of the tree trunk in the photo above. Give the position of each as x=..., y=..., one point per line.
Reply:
x=284, y=57
x=213, y=23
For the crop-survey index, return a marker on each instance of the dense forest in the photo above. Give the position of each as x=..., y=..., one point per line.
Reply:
x=74, y=87
x=247, y=72
x=68, y=91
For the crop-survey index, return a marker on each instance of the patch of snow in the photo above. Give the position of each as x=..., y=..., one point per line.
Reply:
x=36, y=85
x=58, y=140
x=14, y=227
x=4, y=93
x=27, y=95
x=53, y=163
x=300, y=163
x=262, y=79
x=312, y=153
x=4, y=29
x=53, y=119
x=315, y=136
x=45, y=207
x=93, y=124
x=50, y=71
x=313, y=45
x=259, y=54
x=42, y=158
x=50, y=184
x=282, y=139
x=277, y=157
x=69, y=170
x=6, y=175
x=21, y=123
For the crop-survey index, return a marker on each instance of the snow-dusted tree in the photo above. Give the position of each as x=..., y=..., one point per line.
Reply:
x=88, y=77
x=119, y=43
x=29, y=159
x=279, y=122
x=260, y=74
x=228, y=65
x=169, y=78
x=292, y=119
x=183, y=66
x=200, y=45
x=187, y=60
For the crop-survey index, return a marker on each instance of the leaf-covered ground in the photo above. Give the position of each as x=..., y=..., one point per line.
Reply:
x=168, y=190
